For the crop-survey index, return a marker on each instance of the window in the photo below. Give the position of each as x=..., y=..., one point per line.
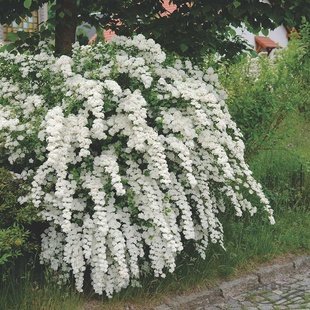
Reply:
x=28, y=24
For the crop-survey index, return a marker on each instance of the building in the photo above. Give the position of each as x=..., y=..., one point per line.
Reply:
x=29, y=24
x=277, y=38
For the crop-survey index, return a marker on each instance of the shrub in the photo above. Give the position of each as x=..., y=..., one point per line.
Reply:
x=127, y=155
x=11, y=240
x=280, y=172
x=263, y=92
x=15, y=237
x=300, y=69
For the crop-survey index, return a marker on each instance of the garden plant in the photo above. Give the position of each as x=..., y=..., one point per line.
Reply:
x=127, y=153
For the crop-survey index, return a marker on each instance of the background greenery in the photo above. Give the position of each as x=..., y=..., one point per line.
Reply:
x=270, y=104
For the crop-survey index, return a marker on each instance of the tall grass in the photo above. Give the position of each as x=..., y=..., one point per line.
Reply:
x=28, y=286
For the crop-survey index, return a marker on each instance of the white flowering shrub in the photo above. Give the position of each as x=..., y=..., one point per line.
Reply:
x=126, y=154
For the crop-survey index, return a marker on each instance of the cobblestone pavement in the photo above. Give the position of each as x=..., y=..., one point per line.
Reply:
x=276, y=287
x=289, y=293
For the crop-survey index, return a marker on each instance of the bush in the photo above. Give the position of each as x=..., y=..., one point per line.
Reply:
x=127, y=155
x=11, y=241
x=263, y=92
x=15, y=237
x=280, y=172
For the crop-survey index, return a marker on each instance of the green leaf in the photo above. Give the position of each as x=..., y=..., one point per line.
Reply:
x=236, y=4
x=232, y=32
x=27, y=3
x=61, y=14
x=12, y=36
x=156, y=34
x=80, y=31
x=68, y=12
x=183, y=47
x=22, y=35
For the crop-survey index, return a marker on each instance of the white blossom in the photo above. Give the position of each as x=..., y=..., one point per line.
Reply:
x=122, y=152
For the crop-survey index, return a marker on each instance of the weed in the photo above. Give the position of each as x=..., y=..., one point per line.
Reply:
x=306, y=298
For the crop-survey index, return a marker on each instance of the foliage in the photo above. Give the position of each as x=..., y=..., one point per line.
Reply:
x=11, y=241
x=128, y=156
x=299, y=68
x=15, y=10
x=281, y=172
x=194, y=29
x=14, y=235
x=263, y=91
x=291, y=13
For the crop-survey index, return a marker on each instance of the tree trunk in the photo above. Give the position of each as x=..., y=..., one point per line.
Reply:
x=66, y=23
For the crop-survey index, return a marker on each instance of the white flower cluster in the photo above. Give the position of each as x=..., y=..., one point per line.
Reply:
x=125, y=155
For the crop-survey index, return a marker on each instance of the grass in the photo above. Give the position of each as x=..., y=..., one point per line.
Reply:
x=27, y=286
x=306, y=298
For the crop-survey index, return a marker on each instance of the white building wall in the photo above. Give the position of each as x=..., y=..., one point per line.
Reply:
x=43, y=14
x=279, y=35
x=1, y=34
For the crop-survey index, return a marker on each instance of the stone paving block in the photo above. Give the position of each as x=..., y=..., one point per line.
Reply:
x=305, y=281
x=266, y=307
x=258, y=299
x=162, y=307
x=273, y=297
x=298, y=307
x=296, y=300
x=248, y=304
x=302, y=262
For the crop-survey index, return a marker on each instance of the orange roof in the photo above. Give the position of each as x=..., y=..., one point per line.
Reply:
x=265, y=42
x=168, y=7
x=108, y=34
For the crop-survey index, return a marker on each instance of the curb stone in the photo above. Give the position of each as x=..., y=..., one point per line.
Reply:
x=195, y=301
x=275, y=272
x=238, y=286
x=262, y=276
x=302, y=262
